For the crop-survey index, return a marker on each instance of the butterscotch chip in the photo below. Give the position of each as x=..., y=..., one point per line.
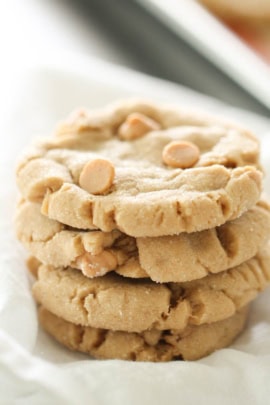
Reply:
x=191, y=343
x=136, y=126
x=97, y=176
x=118, y=303
x=147, y=198
x=177, y=258
x=180, y=154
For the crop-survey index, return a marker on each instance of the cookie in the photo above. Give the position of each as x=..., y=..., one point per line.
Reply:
x=192, y=256
x=93, y=252
x=190, y=344
x=177, y=258
x=252, y=10
x=144, y=169
x=117, y=303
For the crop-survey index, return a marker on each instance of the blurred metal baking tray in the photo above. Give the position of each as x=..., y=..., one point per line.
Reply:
x=190, y=21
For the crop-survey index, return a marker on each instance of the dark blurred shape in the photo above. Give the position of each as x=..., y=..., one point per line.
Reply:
x=152, y=48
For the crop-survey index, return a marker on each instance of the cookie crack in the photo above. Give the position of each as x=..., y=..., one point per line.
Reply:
x=226, y=244
x=250, y=270
x=265, y=269
x=258, y=271
x=79, y=297
x=222, y=200
x=80, y=336
x=177, y=292
x=181, y=214
x=101, y=339
x=42, y=240
x=161, y=347
x=204, y=266
x=159, y=217
x=176, y=295
x=229, y=297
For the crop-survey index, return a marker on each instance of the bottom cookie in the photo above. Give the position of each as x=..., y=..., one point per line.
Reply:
x=192, y=343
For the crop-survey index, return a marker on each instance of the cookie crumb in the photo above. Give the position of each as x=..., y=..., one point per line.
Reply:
x=97, y=265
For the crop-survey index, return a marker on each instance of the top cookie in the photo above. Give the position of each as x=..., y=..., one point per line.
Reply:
x=142, y=168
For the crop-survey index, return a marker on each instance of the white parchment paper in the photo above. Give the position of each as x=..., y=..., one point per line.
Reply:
x=36, y=370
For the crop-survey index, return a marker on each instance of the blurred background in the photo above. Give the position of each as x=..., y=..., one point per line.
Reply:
x=177, y=40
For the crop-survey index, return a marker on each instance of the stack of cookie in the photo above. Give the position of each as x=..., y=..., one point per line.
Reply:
x=147, y=231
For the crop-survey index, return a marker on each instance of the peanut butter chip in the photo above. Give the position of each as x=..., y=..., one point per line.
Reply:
x=97, y=176
x=136, y=126
x=97, y=265
x=180, y=154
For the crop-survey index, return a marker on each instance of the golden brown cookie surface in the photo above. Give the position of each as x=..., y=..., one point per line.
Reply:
x=177, y=258
x=117, y=303
x=191, y=344
x=141, y=195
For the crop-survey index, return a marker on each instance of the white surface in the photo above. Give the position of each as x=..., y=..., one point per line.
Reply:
x=31, y=30
x=36, y=370
x=211, y=38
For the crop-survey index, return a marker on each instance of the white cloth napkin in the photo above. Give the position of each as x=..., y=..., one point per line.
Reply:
x=36, y=370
